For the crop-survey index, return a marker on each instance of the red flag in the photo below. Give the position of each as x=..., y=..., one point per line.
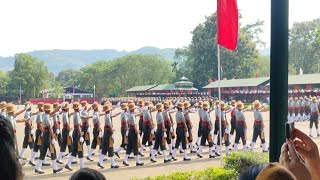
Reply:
x=227, y=23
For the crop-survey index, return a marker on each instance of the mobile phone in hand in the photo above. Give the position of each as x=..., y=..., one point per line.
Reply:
x=289, y=128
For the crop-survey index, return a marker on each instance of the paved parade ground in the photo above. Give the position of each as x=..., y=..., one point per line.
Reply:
x=149, y=169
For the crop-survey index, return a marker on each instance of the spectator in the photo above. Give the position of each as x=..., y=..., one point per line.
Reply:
x=291, y=160
x=307, y=150
x=252, y=172
x=272, y=171
x=87, y=174
x=299, y=159
x=10, y=169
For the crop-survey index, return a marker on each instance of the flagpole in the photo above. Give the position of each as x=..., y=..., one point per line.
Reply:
x=219, y=98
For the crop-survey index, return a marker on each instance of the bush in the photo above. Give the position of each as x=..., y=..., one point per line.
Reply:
x=211, y=173
x=239, y=161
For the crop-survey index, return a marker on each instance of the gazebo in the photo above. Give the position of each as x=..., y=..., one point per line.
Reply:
x=184, y=87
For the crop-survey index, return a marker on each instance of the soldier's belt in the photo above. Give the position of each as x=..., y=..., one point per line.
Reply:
x=76, y=126
x=180, y=124
x=257, y=122
x=239, y=122
x=96, y=125
x=39, y=125
x=205, y=123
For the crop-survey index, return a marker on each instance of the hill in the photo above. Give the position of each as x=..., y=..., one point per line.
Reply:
x=58, y=60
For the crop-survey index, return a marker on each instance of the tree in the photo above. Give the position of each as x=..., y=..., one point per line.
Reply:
x=114, y=77
x=31, y=73
x=4, y=80
x=53, y=86
x=305, y=45
x=68, y=77
x=198, y=61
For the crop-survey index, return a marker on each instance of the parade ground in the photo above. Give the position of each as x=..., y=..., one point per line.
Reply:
x=149, y=169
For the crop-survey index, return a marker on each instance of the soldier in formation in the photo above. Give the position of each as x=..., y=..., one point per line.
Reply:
x=48, y=140
x=258, y=127
x=158, y=134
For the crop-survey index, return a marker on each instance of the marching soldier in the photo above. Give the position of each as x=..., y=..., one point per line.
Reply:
x=206, y=131
x=85, y=129
x=216, y=122
x=56, y=123
x=11, y=116
x=108, y=138
x=77, y=144
x=224, y=129
x=302, y=108
x=189, y=124
x=307, y=107
x=38, y=140
x=291, y=109
x=97, y=131
x=3, y=105
x=258, y=127
x=66, y=139
x=140, y=110
x=132, y=137
x=296, y=108
x=200, y=112
x=148, y=128
x=48, y=141
x=182, y=133
x=173, y=137
x=314, y=116
x=124, y=128
x=168, y=125
x=161, y=135
x=233, y=118
x=241, y=126
x=28, y=133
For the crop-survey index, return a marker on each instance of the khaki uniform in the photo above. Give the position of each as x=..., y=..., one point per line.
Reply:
x=132, y=136
x=159, y=133
x=65, y=133
x=181, y=136
x=257, y=126
x=240, y=129
x=200, y=112
x=56, y=125
x=38, y=131
x=27, y=132
x=96, y=130
x=146, y=128
x=106, y=136
x=76, y=136
x=85, y=125
x=205, y=129
x=124, y=123
x=46, y=138
x=314, y=115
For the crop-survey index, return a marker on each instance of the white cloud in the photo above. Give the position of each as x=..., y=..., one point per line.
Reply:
x=119, y=24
